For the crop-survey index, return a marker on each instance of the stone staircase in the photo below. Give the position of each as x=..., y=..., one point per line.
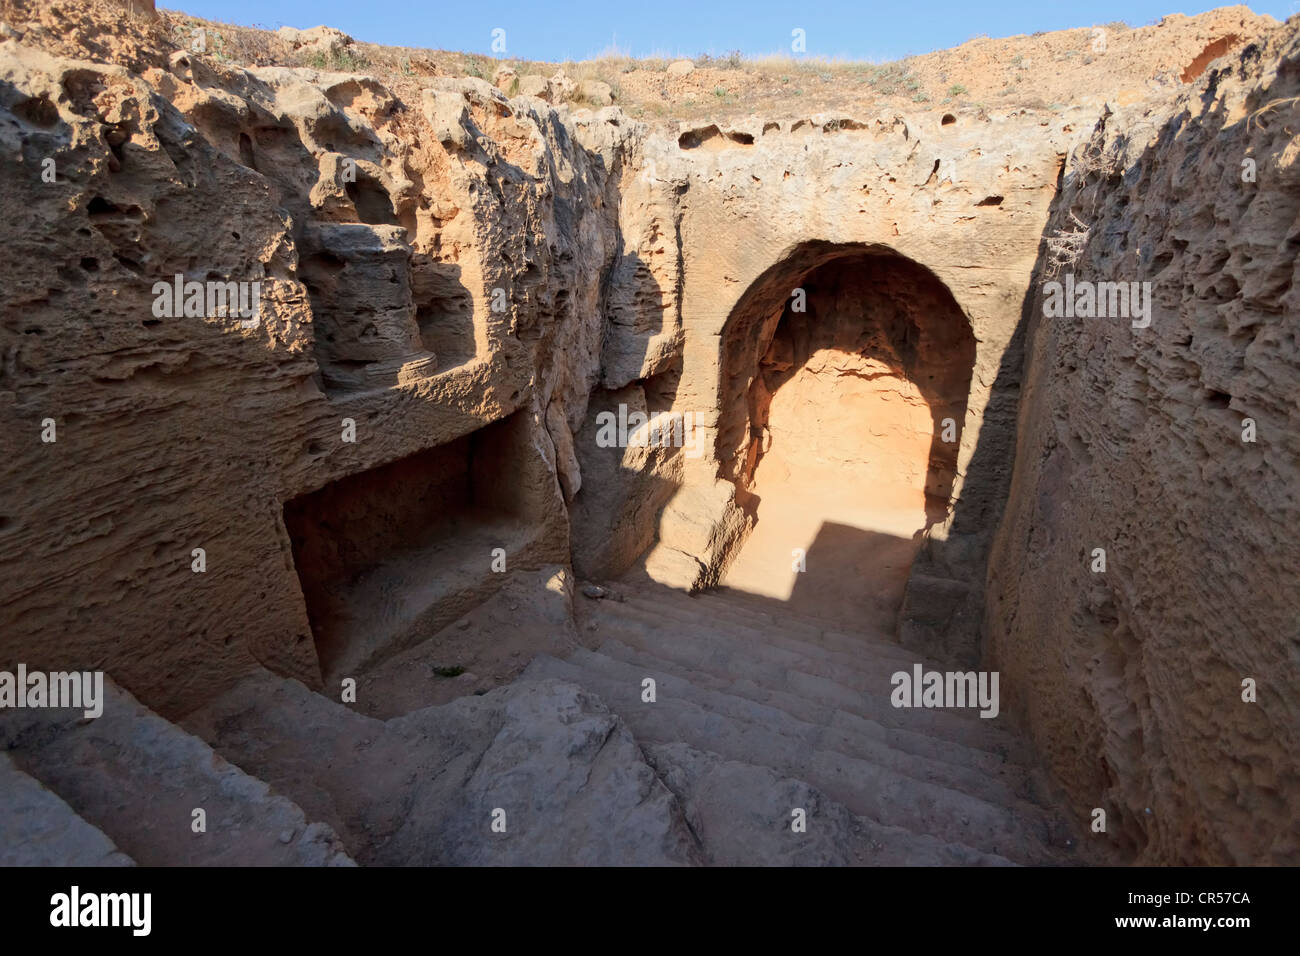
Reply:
x=123, y=788
x=756, y=710
x=37, y=828
x=760, y=720
x=294, y=778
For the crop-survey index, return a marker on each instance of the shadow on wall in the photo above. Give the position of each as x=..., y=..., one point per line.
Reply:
x=943, y=607
x=388, y=557
x=614, y=516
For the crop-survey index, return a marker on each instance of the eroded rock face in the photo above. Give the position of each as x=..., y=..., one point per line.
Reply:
x=767, y=204
x=454, y=286
x=1133, y=440
x=416, y=284
x=536, y=773
x=320, y=39
x=425, y=269
x=428, y=264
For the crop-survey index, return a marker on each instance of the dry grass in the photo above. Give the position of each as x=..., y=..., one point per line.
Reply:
x=1266, y=111
x=1092, y=160
x=1042, y=72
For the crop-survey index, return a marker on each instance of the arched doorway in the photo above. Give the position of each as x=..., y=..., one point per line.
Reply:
x=846, y=371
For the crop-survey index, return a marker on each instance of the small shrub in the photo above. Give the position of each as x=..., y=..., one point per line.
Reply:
x=887, y=80
x=1092, y=158
x=339, y=61
x=957, y=90
x=1066, y=246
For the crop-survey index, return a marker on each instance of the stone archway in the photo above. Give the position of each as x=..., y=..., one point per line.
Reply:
x=846, y=372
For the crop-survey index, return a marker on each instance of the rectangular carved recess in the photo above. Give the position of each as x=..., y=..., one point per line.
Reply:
x=389, y=556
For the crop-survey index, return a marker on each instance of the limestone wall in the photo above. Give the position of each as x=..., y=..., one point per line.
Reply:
x=424, y=269
x=455, y=286
x=427, y=264
x=1133, y=441
x=762, y=205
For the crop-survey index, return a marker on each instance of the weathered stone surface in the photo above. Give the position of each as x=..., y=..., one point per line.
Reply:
x=386, y=321
x=759, y=712
x=703, y=522
x=758, y=207
x=596, y=92
x=320, y=39
x=746, y=814
x=613, y=520
x=455, y=283
x=1131, y=441
x=534, y=85
x=422, y=789
x=485, y=203
x=563, y=86
x=504, y=78
x=572, y=781
x=39, y=829
x=488, y=646
x=140, y=778
x=929, y=605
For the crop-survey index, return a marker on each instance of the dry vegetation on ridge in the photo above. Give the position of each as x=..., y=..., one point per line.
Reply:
x=1043, y=71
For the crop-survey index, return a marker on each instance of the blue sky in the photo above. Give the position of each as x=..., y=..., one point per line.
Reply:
x=577, y=29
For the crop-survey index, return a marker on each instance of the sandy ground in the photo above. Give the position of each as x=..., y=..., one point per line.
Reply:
x=858, y=544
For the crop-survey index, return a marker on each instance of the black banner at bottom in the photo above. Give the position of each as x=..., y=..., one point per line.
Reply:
x=333, y=906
